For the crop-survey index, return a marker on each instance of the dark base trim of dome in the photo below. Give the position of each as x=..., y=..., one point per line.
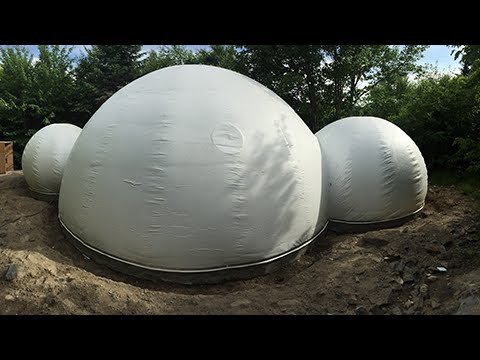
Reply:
x=364, y=226
x=189, y=277
x=44, y=196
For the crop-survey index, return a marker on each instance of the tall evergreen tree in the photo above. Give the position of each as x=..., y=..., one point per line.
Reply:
x=167, y=56
x=102, y=72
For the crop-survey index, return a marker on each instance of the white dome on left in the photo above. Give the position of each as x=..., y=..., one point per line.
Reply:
x=45, y=156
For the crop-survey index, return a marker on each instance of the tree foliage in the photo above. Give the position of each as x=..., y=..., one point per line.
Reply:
x=33, y=94
x=322, y=83
x=224, y=56
x=18, y=108
x=326, y=82
x=467, y=54
x=167, y=56
x=102, y=72
x=441, y=114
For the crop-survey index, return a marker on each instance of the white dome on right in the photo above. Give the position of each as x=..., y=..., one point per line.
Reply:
x=376, y=173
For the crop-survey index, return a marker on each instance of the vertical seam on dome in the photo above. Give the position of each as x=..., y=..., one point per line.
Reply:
x=90, y=189
x=415, y=174
x=156, y=194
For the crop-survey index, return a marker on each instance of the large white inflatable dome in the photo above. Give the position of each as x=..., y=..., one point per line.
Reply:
x=376, y=172
x=193, y=168
x=45, y=156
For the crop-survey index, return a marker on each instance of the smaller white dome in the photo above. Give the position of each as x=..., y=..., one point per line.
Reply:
x=45, y=156
x=375, y=171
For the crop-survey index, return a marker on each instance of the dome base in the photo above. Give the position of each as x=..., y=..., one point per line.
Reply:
x=340, y=226
x=191, y=277
x=43, y=197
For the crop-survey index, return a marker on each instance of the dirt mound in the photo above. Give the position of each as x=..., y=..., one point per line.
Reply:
x=393, y=271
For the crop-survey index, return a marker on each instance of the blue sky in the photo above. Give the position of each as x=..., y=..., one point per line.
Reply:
x=438, y=55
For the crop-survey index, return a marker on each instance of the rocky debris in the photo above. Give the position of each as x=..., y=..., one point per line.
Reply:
x=445, y=256
x=11, y=273
x=470, y=239
x=459, y=233
x=396, y=311
x=396, y=287
x=352, y=300
x=359, y=271
x=50, y=301
x=409, y=311
x=473, y=229
x=433, y=303
x=288, y=302
x=397, y=266
x=377, y=310
x=409, y=274
x=363, y=280
x=469, y=306
x=447, y=242
x=385, y=297
x=25, y=238
x=423, y=290
x=435, y=248
x=240, y=302
x=392, y=254
x=3, y=234
x=397, y=280
x=360, y=310
x=408, y=304
x=450, y=202
x=425, y=213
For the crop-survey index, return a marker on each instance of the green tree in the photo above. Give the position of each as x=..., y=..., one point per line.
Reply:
x=436, y=112
x=167, y=56
x=103, y=71
x=468, y=54
x=468, y=145
x=388, y=99
x=326, y=82
x=19, y=112
x=54, y=83
x=293, y=72
x=33, y=95
x=358, y=69
x=224, y=56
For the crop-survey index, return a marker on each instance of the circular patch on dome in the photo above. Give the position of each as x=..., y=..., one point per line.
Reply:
x=228, y=138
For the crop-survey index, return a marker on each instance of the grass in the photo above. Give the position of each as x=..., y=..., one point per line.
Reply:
x=467, y=184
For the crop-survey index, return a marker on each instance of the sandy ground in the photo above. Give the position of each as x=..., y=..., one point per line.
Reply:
x=390, y=271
